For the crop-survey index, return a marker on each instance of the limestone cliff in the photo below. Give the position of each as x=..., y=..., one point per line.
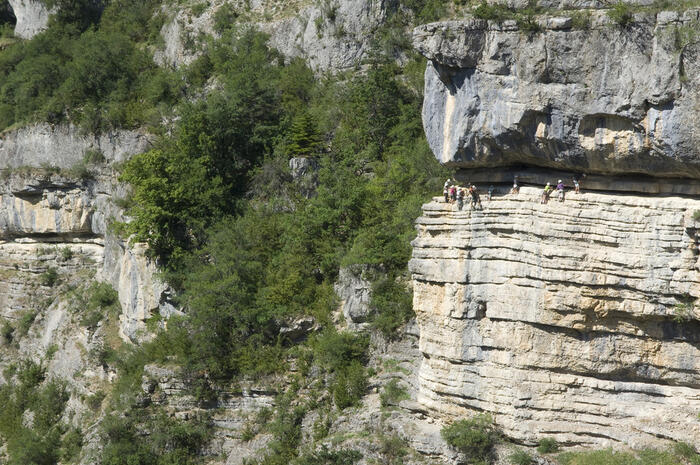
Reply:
x=598, y=99
x=575, y=320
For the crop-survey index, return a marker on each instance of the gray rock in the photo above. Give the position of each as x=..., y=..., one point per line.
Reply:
x=355, y=293
x=32, y=17
x=64, y=146
x=606, y=100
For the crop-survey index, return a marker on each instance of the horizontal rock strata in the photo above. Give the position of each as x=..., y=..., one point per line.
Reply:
x=573, y=320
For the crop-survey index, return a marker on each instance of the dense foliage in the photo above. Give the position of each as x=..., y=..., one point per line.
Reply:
x=88, y=68
x=248, y=247
x=245, y=248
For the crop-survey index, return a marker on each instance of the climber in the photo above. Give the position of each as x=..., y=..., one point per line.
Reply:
x=560, y=190
x=576, y=187
x=446, y=190
x=460, y=197
x=545, y=193
x=475, y=197
x=490, y=192
x=515, y=188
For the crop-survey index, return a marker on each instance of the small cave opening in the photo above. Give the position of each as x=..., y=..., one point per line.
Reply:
x=7, y=19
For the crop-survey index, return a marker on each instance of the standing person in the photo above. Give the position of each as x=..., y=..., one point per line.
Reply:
x=560, y=190
x=576, y=187
x=446, y=190
x=475, y=197
x=453, y=194
x=490, y=192
x=515, y=188
x=545, y=193
x=460, y=198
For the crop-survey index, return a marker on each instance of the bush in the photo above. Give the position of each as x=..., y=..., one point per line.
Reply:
x=225, y=17
x=327, y=457
x=97, y=300
x=49, y=278
x=336, y=350
x=7, y=332
x=25, y=322
x=349, y=385
x=520, y=457
x=474, y=438
x=392, y=393
x=393, y=303
x=620, y=13
x=66, y=253
x=495, y=12
x=547, y=446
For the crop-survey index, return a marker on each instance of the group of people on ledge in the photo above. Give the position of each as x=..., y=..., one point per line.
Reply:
x=454, y=193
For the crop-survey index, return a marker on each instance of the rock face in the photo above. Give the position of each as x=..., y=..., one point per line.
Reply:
x=45, y=208
x=606, y=99
x=574, y=320
x=330, y=35
x=64, y=146
x=32, y=17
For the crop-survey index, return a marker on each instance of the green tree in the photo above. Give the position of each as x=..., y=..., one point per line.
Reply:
x=305, y=139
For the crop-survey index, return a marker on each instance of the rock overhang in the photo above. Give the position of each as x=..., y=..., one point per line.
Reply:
x=606, y=100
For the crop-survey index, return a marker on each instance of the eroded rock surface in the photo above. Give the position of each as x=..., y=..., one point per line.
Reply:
x=32, y=17
x=64, y=146
x=606, y=99
x=574, y=320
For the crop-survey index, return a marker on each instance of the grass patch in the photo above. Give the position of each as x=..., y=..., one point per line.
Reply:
x=520, y=457
x=547, y=446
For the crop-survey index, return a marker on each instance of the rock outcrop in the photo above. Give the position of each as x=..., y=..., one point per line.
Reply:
x=574, y=320
x=603, y=99
x=64, y=146
x=46, y=207
x=32, y=17
x=330, y=35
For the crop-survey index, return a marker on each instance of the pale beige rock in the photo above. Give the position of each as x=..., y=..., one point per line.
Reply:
x=560, y=319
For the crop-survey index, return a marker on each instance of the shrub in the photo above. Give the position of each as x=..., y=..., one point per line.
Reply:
x=66, y=253
x=620, y=13
x=547, y=446
x=393, y=449
x=349, y=385
x=393, y=302
x=327, y=457
x=49, y=278
x=93, y=157
x=336, y=350
x=25, y=322
x=495, y=12
x=474, y=438
x=696, y=215
x=98, y=299
x=7, y=332
x=581, y=19
x=687, y=451
x=225, y=17
x=392, y=393
x=520, y=457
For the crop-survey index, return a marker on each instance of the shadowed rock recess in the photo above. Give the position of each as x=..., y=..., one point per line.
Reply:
x=574, y=320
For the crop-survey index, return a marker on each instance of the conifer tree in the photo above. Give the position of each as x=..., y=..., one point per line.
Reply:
x=305, y=139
